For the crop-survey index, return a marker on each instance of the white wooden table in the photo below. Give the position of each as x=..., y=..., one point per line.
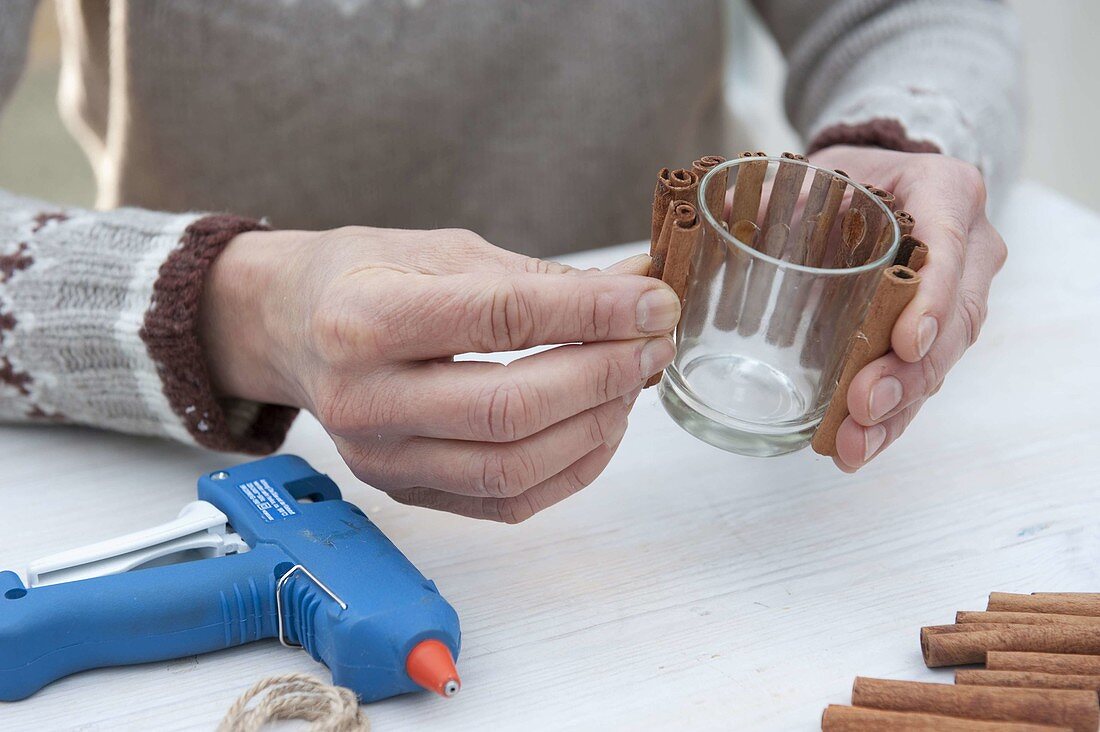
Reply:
x=687, y=588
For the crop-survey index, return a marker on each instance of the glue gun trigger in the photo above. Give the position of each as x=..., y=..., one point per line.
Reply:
x=200, y=527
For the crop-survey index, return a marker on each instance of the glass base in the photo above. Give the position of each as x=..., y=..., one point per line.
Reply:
x=768, y=403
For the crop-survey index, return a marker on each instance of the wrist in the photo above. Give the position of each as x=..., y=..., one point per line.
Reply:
x=242, y=316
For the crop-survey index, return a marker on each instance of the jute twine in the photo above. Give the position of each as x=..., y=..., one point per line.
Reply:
x=296, y=696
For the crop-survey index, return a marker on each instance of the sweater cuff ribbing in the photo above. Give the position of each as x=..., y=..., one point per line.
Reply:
x=883, y=132
x=170, y=333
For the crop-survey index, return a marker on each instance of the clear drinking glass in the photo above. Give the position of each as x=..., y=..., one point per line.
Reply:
x=772, y=301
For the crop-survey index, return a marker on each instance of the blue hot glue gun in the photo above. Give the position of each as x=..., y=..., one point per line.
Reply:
x=278, y=555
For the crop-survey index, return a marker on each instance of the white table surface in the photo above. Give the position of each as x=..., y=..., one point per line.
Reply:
x=688, y=587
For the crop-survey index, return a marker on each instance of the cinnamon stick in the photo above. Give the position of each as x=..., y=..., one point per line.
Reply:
x=1047, y=663
x=712, y=252
x=685, y=229
x=853, y=230
x=970, y=646
x=805, y=234
x=748, y=187
x=871, y=341
x=776, y=229
x=761, y=274
x=819, y=242
x=912, y=252
x=1078, y=710
x=1026, y=679
x=679, y=237
x=862, y=719
x=1017, y=618
x=672, y=185
x=1060, y=603
x=906, y=222
x=786, y=186
x=873, y=222
x=728, y=310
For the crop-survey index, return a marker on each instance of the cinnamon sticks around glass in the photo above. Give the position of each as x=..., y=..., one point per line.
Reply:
x=676, y=245
x=896, y=289
x=672, y=185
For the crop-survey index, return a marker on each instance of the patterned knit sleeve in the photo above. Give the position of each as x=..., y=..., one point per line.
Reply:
x=910, y=75
x=98, y=317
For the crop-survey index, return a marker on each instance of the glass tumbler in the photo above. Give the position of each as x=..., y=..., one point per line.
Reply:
x=779, y=284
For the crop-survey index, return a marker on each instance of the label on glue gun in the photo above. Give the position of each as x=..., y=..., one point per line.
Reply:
x=266, y=500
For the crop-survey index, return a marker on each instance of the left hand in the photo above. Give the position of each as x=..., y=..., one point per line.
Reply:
x=947, y=198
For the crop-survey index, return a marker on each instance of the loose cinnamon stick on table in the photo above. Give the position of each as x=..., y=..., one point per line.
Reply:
x=1061, y=603
x=777, y=228
x=872, y=340
x=1015, y=618
x=747, y=190
x=806, y=234
x=862, y=719
x=1026, y=679
x=1048, y=663
x=1078, y=710
x=965, y=646
x=672, y=185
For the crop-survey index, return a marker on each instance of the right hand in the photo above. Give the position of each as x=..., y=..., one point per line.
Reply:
x=359, y=326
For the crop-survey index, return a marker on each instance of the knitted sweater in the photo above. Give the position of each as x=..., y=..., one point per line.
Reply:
x=540, y=125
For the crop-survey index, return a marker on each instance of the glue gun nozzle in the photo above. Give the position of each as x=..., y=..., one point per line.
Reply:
x=430, y=665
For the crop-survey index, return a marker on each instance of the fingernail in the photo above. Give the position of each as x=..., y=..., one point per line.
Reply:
x=616, y=436
x=885, y=395
x=656, y=354
x=658, y=310
x=632, y=397
x=637, y=263
x=873, y=437
x=926, y=334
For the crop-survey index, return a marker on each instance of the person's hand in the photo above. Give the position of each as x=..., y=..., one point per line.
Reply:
x=947, y=198
x=359, y=325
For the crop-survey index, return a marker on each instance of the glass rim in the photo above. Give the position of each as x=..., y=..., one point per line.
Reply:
x=888, y=256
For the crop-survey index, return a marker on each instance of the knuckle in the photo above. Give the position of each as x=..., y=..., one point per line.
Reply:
x=505, y=412
x=932, y=371
x=504, y=323
x=598, y=311
x=516, y=510
x=973, y=310
x=611, y=378
x=460, y=237
x=1000, y=252
x=505, y=473
x=596, y=430
x=337, y=332
x=543, y=266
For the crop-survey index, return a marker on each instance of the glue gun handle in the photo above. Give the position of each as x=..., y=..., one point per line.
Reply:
x=146, y=615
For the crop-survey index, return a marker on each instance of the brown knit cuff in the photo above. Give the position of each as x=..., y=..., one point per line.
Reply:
x=878, y=132
x=170, y=333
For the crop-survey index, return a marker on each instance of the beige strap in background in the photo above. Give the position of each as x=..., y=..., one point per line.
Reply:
x=296, y=696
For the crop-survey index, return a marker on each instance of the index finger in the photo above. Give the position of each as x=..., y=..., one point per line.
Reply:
x=945, y=209
x=493, y=312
